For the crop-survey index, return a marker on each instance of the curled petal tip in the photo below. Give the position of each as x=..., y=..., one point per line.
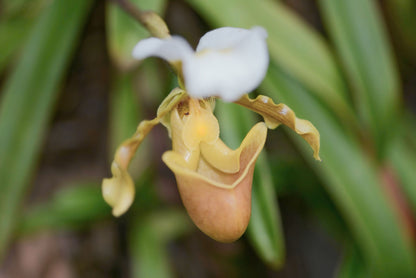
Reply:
x=277, y=114
x=118, y=191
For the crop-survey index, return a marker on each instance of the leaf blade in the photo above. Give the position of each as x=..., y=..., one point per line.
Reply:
x=264, y=229
x=27, y=102
x=353, y=182
x=124, y=32
x=362, y=45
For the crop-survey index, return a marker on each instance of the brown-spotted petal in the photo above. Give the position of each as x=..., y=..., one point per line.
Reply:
x=170, y=102
x=219, y=203
x=276, y=114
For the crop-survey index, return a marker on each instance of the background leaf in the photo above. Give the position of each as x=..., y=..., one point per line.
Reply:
x=28, y=99
x=292, y=44
x=264, y=230
x=356, y=29
x=124, y=32
x=353, y=182
x=403, y=158
x=12, y=33
x=352, y=264
x=149, y=237
x=16, y=20
x=72, y=207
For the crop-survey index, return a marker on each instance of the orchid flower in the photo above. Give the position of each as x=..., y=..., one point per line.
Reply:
x=213, y=180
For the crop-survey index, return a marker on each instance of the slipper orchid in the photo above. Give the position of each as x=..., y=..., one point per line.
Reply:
x=213, y=180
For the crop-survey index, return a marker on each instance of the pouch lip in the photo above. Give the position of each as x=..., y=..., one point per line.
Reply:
x=176, y=167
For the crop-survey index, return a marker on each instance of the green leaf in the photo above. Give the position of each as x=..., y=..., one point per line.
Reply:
x=353, y=181
x=360, y=39
x=352, y=265
x=27, y=102
x=12, y=34
x=292, y=44
x=403, y=160
x=16, y=21
x=124, y=109
x=13, y=6
x=294, y=179
x=264, y=229
x=149, y=237
x=72, y=207
x=22, y=8
x=124, y=32
x=402, y=17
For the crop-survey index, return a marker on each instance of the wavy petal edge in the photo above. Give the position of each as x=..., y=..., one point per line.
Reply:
x=276, y=114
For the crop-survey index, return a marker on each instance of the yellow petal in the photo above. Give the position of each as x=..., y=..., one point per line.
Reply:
x=189, y=141
x=164, y=109
x=276, y=114
x=191, y=157
x=118, y=191
x=200, y=126
x=219, y=203
x=221, y=156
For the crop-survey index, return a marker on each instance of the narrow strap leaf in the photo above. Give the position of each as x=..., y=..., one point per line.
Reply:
x=27, y=102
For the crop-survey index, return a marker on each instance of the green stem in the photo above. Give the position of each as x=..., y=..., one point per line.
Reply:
x=149, y=19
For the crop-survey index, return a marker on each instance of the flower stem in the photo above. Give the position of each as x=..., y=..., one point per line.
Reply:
x=149, y=19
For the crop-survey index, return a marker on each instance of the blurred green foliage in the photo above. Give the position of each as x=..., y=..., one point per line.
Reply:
x=27, y=102
x=347, y=84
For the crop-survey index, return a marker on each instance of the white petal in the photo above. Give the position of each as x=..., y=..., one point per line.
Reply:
x=229, y=63
x=170, y=49
x=228, y=37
